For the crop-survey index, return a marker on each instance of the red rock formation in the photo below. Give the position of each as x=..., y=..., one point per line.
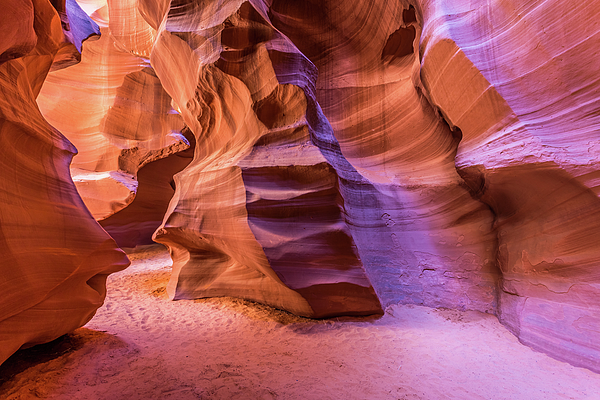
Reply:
x=112, y=107
x=257, y=214
x=54, y=256
x=521, y=83
x=433, y=245
x=447, y=152
x=135, y=224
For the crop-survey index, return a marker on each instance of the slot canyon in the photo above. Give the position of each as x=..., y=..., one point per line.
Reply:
x=230, y=199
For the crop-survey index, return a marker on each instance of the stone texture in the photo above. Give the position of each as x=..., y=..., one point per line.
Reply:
x=421, y=235
x=328, y=157
x=258, y=213
x=112, y=107
x=54, y=256
x=135, y=224
x=528, y=111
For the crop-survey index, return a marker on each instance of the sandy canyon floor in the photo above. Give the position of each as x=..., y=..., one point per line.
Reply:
x=140, y=345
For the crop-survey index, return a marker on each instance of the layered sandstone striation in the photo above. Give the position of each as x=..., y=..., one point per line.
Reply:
x=520, y=81
x=54, y=256
x=327, y=157
x=422, y=236
x=258, y=213
x=112, y=107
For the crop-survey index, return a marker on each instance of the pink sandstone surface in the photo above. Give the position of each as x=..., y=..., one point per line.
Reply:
x=326, y=158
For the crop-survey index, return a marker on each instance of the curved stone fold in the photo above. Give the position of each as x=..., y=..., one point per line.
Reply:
x=324, y=157
x=55, y=257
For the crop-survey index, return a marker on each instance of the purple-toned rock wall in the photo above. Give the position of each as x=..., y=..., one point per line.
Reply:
x=327, y=158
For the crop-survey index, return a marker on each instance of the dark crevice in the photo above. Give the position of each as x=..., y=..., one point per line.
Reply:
x=474, y=180
x=410, y=15
x=399, y=44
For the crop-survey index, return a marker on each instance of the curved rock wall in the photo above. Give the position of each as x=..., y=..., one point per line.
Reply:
x=112, y=107
x=258, y=213
x=54, y=256
x=422, y=237
x=520, y=80
x=343, y=155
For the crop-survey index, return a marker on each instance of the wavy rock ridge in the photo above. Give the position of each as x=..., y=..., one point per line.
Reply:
x=327, y=157
x=532, y=158
x=257, y=213
x=55, y=257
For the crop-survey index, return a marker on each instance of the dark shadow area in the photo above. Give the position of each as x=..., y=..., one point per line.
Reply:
x=25, y=359
x=409, y=15
x=399, y=44
x=135, y=224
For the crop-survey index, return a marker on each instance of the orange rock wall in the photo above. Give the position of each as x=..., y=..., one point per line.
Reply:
x=421, y=235
x=328, y=157
x=54, y=257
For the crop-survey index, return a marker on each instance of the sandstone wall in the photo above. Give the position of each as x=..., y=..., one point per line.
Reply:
x=54, y=258
x=519, y=80
x=329, y=157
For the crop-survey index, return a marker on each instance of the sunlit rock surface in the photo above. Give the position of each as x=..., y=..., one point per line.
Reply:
x=258, y=213
x=327, y=157
x=54, y=256
x=422, y=236
x=112, y=107
x=521, y=82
